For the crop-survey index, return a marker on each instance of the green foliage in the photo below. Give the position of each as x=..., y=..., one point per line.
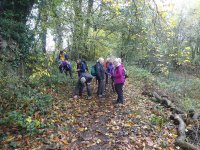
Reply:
x=33, y=101
x=18, y=39
x=186, y=90
x=157, y=120
x=140, y=76
x=19, y=106
x=9, y=83
x=19, y=101
x=13, y=144
x=26, y=98
x=19, y=94
x=22, y=122
x=52, y=76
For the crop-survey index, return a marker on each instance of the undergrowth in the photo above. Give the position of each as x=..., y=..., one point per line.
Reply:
x=23, y=100
x=186, y=90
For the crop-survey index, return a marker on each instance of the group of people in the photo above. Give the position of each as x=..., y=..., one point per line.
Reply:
x=109, y=74
x=64, y=64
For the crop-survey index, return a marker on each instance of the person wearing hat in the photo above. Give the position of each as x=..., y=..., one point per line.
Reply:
x=84, y=79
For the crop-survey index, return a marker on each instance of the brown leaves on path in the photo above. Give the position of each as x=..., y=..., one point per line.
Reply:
x=100, y=124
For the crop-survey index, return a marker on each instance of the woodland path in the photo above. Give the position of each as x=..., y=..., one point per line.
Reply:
x=99, y=124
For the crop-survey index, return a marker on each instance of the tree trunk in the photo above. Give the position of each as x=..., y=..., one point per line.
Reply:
x=44, y=36
x=87, y=23
x=59, y=37
x=44, y=19
x=77, y=44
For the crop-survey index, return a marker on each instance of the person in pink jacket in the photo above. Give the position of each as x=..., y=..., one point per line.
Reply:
x=119, y=79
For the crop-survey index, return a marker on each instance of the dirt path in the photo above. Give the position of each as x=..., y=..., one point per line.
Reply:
x=99, y=124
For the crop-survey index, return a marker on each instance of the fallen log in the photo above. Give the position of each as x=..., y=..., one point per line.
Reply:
x=166, y=102
x=176, y=110
x=162, y=100
x=193, y=115
x=181, y=128
x=180, y=141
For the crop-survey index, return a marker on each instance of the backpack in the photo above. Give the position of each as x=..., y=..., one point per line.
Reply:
x=83, y=67
x=93, y=70
x=85, y=63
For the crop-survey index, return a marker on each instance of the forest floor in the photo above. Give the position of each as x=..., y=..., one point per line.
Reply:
x=100, y=124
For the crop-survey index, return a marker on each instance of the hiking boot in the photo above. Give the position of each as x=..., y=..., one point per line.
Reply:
x=120, y=104
x=89, y=97
x=100, y=96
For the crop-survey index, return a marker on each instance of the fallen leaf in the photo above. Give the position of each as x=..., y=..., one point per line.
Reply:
x=98, y=141
x=149, y=141
x=65, y=142
x=9, y=138
x=81, y=129
x=128, y=124
x=115, y=128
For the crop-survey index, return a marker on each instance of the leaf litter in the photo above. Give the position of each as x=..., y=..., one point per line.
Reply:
x=100, y=124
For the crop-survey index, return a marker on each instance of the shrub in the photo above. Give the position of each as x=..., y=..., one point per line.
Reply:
x=22, y=122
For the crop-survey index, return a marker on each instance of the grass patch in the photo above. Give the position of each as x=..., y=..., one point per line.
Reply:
x=186, y=90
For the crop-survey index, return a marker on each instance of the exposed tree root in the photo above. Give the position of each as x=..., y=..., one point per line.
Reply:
x=178, y=118
x=180, y=141
x=166, y=102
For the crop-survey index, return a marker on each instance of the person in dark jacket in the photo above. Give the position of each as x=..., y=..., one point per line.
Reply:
x=84, y=79
x=64, y=64
x=81, y=67
x=100, y=76
x=86, y=66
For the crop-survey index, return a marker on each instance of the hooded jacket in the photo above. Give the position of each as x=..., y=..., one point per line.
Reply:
x=119, y=74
